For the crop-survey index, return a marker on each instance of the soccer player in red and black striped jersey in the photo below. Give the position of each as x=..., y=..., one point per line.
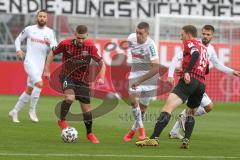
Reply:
x=190, y=87
x=74, y=75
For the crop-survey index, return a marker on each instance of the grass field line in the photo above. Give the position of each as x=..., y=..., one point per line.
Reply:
x=113, y=155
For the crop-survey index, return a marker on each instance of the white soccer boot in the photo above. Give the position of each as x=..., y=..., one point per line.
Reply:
x=14, y=115
x=33, y=116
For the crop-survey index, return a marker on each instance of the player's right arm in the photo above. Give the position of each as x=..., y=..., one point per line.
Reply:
x=23, y=35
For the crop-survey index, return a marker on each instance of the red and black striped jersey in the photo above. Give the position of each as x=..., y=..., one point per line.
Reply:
x=76, y=58
x=199, y=69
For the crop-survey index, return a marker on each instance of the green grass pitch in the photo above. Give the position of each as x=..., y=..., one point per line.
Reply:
x=215, y=136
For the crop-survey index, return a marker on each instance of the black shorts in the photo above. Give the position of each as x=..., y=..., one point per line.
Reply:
x=192, y=92
x=81, y=90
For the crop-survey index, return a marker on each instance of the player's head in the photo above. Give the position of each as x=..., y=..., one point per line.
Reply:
x=42, y=17
x=188, y=32
x=81, y=33
x=142, y=32
x=207, y=34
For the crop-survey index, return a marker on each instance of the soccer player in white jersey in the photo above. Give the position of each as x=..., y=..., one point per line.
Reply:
x=143, y=76
x=206, y=103
x=40, y=39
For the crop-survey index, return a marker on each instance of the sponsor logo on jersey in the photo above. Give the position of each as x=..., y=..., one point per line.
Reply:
x=137, y=55
x=85, y=53
x=190, y=45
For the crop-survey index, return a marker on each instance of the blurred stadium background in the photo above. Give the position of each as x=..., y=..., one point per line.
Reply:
x=111, y=21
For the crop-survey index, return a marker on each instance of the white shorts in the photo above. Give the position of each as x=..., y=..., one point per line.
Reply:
x=146, y=91
x=34, y=75
x=205, y=100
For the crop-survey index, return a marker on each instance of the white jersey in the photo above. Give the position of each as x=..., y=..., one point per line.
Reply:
x=212, y=56
x=142, y=55
x=37, y=48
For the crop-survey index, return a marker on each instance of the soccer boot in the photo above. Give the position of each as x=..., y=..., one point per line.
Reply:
x=62, y=124
x=14, y=115
x=148, y=142
x=175, y=136
x=33, y=117
x=128, y=137
x=92, y=138
x=185, y=143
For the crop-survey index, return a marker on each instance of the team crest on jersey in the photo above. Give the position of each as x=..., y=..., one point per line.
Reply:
x=141, y=51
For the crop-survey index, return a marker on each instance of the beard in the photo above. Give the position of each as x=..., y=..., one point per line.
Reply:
x=41, y=23
x=205, y=41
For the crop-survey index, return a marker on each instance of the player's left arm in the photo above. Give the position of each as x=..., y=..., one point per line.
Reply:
x=194, y=57
x=98, y=58
x=221, y=67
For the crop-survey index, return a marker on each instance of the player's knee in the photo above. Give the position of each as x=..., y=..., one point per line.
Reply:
x=29, y=90
x=39, y=84
x=190, y=119
x=69, y=98
x=209, y=107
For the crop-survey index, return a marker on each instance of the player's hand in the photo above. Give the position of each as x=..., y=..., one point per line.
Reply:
x=179, y=71
x=100, y=81
x=46, y=74
x=171, y=80
x=135, y=85
x=47, y=41
x=187, y=78
x=236, y=73
x=20, y=54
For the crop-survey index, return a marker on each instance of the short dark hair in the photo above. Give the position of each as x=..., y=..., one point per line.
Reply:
x=81, y=29
x=209, y=27
x=190, y=29
x=143, y=25
x=42, y=10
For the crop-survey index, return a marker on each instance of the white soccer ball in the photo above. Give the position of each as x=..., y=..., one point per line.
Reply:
x=69, y=135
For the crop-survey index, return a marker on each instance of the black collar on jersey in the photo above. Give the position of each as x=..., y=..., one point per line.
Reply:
x=74, y=42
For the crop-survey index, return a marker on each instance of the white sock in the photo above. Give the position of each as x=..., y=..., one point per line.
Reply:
x=200, y=111
x=135, y=126
x=34, y=99
x=138, y=116
x=175, y=129
x=184, y=113
x=22, y=100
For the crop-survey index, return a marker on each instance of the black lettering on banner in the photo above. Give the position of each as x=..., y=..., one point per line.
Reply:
x=49, y=6
x=32, y=6
x=210, y=9
x=18, y=5
x=111, y=11
x=175, y=8
x=213, y=2
x=159, y=6
x=147, y=11
x=93, y=7
x=84, y=11
x=1, y=10
x=128, y=12
x=221, y=10
x=234, y=11
x=71, y=7
x=190, y=6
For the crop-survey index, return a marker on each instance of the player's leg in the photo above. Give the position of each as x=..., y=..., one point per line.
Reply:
x=34, y=100
x=23, y=99
x=205, y=107
x=69, y=97
x=83, y=96
x=179, y=95
x=193, y=102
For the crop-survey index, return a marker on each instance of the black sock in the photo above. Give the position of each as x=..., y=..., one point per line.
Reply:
x=65, y=106
x=162, y=122
x=189, y=125
x=87, y=116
